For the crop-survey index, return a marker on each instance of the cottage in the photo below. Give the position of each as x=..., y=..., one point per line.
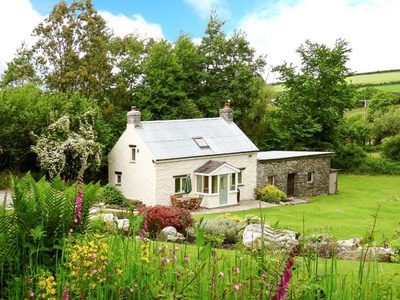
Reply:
x=153, y=160
x=297, y=173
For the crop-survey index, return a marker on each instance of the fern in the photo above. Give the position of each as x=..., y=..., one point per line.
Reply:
x=42, y=213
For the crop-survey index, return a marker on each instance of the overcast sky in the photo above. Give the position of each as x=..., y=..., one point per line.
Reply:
x=274, y=28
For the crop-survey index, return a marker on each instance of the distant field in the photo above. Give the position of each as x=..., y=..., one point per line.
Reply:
x=355, y=112
x=375, y=78
x=386, y=81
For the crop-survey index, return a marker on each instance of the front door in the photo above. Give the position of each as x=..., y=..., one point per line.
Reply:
x=290, y=185
x=223, y=189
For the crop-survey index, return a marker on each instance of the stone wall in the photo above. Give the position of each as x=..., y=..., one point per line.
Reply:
x=300, y=166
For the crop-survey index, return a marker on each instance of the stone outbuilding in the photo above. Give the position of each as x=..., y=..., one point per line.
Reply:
x=297, y=173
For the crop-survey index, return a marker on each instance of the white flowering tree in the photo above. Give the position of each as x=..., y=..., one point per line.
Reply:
x=61, y=150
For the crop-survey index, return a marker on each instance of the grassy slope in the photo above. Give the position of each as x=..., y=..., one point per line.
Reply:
x=372, y=80
x=345, y=215
x=375, y=78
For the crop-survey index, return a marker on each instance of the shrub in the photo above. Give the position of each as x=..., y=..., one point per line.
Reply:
x=225, y=228
x=159, y=217
x=111, y=195
x=270, y=194
x=391, y=148
x=378, y=166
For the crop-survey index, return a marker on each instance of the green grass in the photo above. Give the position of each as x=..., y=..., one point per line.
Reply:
x=375, y=78
x=395, y=88
x=355, y=112
x=345, y=215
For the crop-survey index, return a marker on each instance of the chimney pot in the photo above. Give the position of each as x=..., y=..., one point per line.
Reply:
x=226, y=113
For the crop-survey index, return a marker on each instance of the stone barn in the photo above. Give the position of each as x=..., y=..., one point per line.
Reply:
x=297, y=173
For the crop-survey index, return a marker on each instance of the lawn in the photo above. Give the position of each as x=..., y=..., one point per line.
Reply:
x=345, y=215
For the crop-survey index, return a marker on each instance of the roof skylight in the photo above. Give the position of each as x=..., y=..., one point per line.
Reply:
x=201, y=142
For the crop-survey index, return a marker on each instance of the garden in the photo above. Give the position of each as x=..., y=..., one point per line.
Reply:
x=51, y=247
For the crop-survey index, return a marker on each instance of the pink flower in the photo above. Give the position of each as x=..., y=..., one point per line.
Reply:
x=221, y=274
x=93, y=256
x=187, y=259
x=285, y=280
x=160, y=248
x=176, y=248
x=31, y=294
x=94, y=271
x=237, y=286
x=65, y=294
x=71, y=230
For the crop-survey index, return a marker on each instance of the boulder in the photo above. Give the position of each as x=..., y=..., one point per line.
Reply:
x=122, y=224
x=374, y=253
x=191, y=235
x=348, y=245
x=170, y=234
x=273, y=238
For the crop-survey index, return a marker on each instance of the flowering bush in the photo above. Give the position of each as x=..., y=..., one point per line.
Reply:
x=61, y=150
x=159, y=217
x=270, y=194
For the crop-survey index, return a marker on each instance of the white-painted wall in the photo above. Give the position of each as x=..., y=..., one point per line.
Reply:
x=165, y=170
x=138, y=178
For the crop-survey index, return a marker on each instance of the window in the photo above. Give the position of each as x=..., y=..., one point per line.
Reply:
x=207, y=184
x=240, y=177
x=310, y=176
x=118, y=178
x=201, y=142
x=180, y=182
x=133, y=152
x=232, y=186
x=271, y=180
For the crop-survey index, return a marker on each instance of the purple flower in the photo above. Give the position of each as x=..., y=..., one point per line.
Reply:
x=144, y=230
x=285, y=280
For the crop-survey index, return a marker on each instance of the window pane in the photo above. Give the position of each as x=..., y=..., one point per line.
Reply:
x=199, y=183
x=177, y=185
x=206, y=184
x=214, y=184
x=133, y=154
x=118, y=178
x=233, y=182
x=183, y=184
x=240, y=177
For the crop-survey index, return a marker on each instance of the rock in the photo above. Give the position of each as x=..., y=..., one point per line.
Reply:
x=170, y=234
x=191, y=235
x=378, y=253
x=348, y=245
x=123, y=224
x=108, y=217
x=275, y=238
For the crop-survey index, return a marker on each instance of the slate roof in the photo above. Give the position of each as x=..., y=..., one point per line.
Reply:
x=274, y=155
x=209, y=167
x=174, y=138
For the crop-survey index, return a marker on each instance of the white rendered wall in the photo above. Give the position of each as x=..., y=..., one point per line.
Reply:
x=166, y=170
x=138, y=178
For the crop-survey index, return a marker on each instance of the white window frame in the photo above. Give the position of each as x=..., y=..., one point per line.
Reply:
x=118, y=178
x=240, y=176
x=273, y=180
x=181, y=178
x=203, y=179
x=233, y=185
x=133, y=153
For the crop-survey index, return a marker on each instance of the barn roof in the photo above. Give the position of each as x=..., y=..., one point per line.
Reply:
x=275, y=155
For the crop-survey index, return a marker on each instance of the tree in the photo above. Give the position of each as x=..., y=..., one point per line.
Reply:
x=316, y=96
x=72, y=50
x=231, y=69
x=163, y=95
x=20, y=70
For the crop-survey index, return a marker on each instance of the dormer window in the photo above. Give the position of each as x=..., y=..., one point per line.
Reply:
x=201, y=142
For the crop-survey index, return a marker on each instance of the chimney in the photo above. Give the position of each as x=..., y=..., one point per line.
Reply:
x=227, y=112
x=134, y=117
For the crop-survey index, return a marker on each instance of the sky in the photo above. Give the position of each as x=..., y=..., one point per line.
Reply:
x=275, y=28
